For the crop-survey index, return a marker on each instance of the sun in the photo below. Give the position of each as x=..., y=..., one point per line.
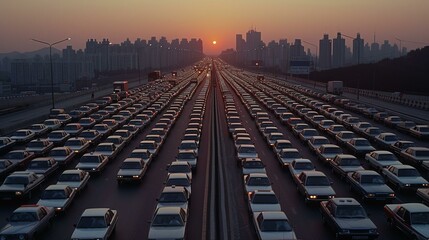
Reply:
x=214, y=42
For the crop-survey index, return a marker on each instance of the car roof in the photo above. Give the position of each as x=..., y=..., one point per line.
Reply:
x=56, y=187
x=169, y=189
x=274, y=215
x=314, y=173
x=95, y=212
x=27, y=208
x=168, y=210
x=345, y=201
x=367, y=172
x=132, y=160
x=72, y=171
x=345, y=156
x=415, y=207
x=403, y=166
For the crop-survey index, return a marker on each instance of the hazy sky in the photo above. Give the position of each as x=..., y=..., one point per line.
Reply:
x=219, y=20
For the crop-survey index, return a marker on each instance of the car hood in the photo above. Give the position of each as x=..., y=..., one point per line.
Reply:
x=377, y=188
x=423, y=229
x=82, y=233
x=129, y=172
x=277, y=235
x=12, y=187
x=355, y=223
x=17, y=228
x=320, y=190
x=166, y=232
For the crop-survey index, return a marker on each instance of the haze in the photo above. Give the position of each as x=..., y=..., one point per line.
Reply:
x=209, y=20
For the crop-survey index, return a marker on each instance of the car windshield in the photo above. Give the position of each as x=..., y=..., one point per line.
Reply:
x=35, y=145
x=408, y=173
x=178, y=182
x=424, y=129
x=422, y=153
x=362, y=143
x=172, y=197
x=303, y=166
x=16, y=180
x=73, y=143
x=391, y=138
x=23, y=217
x=190, y=145
x=386, y=157
x=90, y=159
x=371, y=179
x=14, y=155
x=147, y=146
x=107, y=148
x=2, y=165
x=57, y=153
x=290, y=155
x=131, y=165
x=20, y=134
x=92, y=222
x=317, y=181
x=265, y=199
x=71, y=127
x=143, y=155
x=167, y=220
x=334, y=150
x=350, y=162
x=347, y=135
x=55, y=135
x=53, y=194
x=350, y=211
x=69, y=178
x=253, y=164
x=101, y=128
x=258, y=181
x=87, y=134
x=420, y=218
x=185, y=156
x=321, y=141
x=179, y=169
x=275, y=226
x=38, y=165
x=247, y=150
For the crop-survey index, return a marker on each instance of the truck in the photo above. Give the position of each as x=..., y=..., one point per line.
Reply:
x=152, y=76
x=335, y=87
x=121, y=88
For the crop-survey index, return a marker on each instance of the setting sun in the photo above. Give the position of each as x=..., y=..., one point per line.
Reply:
x=214, y=42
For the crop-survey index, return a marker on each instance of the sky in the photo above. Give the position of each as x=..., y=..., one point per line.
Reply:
x=220, y=21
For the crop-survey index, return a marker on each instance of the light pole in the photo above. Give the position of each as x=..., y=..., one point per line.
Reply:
x=315, y=62
x=50, y=58
x=358, y=49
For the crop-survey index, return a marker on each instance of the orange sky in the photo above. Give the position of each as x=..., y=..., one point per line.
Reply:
x=218, y=20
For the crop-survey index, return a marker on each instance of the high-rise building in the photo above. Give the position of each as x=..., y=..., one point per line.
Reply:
x=339, y=51
x=358, y=49
x=297, y=50
x=325, y=52
x=254, y=46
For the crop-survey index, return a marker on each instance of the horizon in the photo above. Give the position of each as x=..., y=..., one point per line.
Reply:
x=211, y=21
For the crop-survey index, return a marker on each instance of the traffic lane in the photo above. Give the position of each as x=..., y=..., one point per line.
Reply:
x=340, y=186
x=292, y=203
x=195, y=226
x=133, y=202
x=239, y=213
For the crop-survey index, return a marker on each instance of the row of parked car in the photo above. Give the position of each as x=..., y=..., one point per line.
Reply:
x=269, y=220
x=58, y=197
x=360, y=179
x=170, y=217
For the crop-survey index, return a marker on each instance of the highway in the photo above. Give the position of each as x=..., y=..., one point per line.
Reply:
x=218, y=204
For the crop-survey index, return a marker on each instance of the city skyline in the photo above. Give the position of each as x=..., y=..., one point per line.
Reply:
x=211, y=21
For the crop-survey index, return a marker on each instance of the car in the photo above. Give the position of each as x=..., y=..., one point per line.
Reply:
x=325, y=124
x=192, y=137
x=22, y=157
x=415, y=155
x=256, y=181
x=298, y=128
x=59, y=197
x=423, y=194
x=246, y=151
x=54, y=112
x=78, y=144
x=62, y=155
x=76, y=114
x=404, y=177
x=287, y=155
x=6, y=143
x=381, y=159
x=103, y=129
x=20, y=184
x=22, y=136
x=189, y=156
x=327, y=152
x=348, y=219
x=43, y=165
x=107, y=149
x=385, y=139
x=189, y=145
x=179, y=179
x=314, y=186
x=111, y=123
x=125, y=134
x=370, y=185
x=76, y=179
x=400, y=145
x=316, y=141
x=133, y=129
x=96, y=223
x=180, y=167
x=150, y=145
x=380, y=116
x=6, y=167
x=299, y=165
x=361, y=126
x=174, y=196
x=273, y=137
x=117, y=140
x=58, y=137
x=40, y=147
x=27, y=222
x=281, y=144
x=92, y=136
x=405, y=126
x=370, y=133
x=132, y=170
x=349, y=122
x=306, y=134
x=39, y=129
x=168, y=223
x=92, y=162
x=345, y=163
x=392, y=121
x=74, y=129
x=273, y=225
x=64, y=118
x=420, y=131
x=144, y=154
x=343, y=137
x=262, y=201
x=411, y=218
x=359, y=146
x=252, y=165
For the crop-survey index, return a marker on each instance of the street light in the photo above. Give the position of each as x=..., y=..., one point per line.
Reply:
x=50, y=58
x=358, y=82
x=315, y=64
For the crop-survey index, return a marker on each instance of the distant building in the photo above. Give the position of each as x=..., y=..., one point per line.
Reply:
x=297, y=51
x=358, y=49
x=339, y=51
x=325, y=52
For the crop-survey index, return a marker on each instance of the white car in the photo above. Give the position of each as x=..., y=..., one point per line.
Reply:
x=179, y=179
x=273, y=225
x=132, y=170
x=381, y=159
x=92, y=162
x=76, y=179
x=287, y=155
x=299, y=165
x=168, y=223
x=96, y=223
x=262, y=201
x=58, y=197
x=174, y=196
x=404, y=177
x=256, y=181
